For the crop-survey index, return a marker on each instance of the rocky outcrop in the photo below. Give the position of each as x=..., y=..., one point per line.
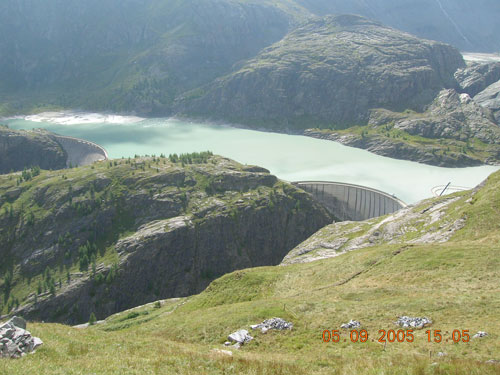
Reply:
x=242, y=337
x=172, y=230
x=490, y=98
x=21, y=149
x=476, y=76
x=352, y=324
x=481, y=80
x=329, y=72
x=454, y=116
x=413, y=322
x=15, y=341
x=273, y=323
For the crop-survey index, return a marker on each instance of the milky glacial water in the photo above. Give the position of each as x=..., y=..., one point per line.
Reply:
x=290, y=157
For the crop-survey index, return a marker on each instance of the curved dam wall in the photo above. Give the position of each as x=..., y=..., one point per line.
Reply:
x=348, y=202
x=80, y=152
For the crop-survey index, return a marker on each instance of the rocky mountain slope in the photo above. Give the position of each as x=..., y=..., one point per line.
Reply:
x=139, y=55
x=330, y=72
x=438, y=259
x=106, y=237
x=126, y=55
x=21, y=149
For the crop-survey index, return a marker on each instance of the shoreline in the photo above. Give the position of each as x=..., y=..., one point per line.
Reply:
x=421, y=156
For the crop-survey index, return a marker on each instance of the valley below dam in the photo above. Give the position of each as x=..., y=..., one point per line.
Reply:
x=289, y=157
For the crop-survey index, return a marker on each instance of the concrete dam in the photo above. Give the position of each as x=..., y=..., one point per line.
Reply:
x=349, y=202
x=79, y=151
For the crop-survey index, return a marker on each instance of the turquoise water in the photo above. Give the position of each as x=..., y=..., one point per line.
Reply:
x=290, y=157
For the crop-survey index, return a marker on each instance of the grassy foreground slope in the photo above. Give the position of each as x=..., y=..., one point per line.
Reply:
x=455, y=283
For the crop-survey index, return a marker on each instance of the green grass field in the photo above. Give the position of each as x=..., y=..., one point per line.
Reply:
x=456, y=284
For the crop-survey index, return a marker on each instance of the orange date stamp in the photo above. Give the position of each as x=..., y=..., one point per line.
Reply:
x=392, y=336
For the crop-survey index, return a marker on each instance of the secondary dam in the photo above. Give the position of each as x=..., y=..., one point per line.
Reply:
x=349, y=202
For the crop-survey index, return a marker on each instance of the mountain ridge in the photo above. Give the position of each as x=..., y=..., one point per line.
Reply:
x=330, y=72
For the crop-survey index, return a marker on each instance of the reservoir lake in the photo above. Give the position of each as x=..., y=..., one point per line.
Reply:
x=290, y=157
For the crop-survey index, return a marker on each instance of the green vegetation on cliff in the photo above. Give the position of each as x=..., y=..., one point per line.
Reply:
x=102, y=238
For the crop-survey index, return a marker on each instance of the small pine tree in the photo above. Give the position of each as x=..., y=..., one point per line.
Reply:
x=92, y=319
x=52, y=288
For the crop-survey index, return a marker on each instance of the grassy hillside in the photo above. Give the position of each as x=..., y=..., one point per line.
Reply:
x=454, y=283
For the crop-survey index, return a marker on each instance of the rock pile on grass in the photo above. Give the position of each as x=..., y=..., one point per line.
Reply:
x=351, y=325
x=15, y=341
x=274, y=323
x=241, y=337
x=419, y=323
x=479, y=335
